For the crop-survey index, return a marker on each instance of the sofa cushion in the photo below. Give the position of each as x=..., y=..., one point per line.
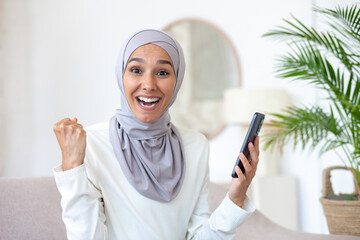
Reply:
x=30, y=209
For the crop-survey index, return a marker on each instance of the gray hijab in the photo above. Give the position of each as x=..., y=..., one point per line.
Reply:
x=151, y=155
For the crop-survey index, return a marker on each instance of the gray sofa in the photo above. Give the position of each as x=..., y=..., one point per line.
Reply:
x=30, y=209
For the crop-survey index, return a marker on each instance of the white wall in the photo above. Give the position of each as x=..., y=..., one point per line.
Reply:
x=57, y=60
x=60, y=58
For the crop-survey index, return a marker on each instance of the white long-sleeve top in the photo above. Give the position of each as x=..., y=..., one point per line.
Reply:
x=98, y=202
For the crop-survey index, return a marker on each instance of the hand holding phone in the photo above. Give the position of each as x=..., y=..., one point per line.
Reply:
x=251, y=134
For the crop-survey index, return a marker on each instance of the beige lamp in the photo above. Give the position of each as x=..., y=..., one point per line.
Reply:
x=240, y=105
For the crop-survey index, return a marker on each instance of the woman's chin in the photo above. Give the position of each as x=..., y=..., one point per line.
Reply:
x=147, y=118
x=148, y=114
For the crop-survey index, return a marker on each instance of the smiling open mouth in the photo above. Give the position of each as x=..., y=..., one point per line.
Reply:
x=148, y=102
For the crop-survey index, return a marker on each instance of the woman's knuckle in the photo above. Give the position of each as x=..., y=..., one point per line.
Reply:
x=61, y=126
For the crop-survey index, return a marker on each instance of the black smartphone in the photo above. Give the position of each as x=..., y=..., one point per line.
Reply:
x=251, y=134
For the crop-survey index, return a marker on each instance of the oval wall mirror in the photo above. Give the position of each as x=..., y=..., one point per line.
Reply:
x=212, y=66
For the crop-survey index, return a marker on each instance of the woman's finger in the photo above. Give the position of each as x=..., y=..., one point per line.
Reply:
x=256, y=144
x=65, y=120
x=245, y=162
x=253, y=153
x=239, y=173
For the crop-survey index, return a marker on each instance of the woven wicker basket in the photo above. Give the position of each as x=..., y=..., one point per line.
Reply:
x=343, y=217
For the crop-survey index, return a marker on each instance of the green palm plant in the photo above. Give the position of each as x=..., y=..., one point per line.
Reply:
x=328, y=60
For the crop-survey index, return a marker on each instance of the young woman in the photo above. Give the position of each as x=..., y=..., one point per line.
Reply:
x=138, y=176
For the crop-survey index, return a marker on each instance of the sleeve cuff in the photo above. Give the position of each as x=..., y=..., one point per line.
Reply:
x=228, y=216
x=247, y=209
x=58, y=170
x=68, y=176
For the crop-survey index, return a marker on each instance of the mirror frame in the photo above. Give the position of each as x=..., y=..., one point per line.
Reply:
x=221, y=33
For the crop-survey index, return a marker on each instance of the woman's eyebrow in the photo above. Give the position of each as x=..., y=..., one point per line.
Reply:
x=143, y=61
x=164, y=62
x=136, y=60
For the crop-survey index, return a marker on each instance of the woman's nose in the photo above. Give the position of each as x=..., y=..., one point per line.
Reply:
x=149, y=83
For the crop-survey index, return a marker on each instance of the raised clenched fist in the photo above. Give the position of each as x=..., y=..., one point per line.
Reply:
x=72, y=140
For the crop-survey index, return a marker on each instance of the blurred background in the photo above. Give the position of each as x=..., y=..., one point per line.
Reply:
x=57, y=60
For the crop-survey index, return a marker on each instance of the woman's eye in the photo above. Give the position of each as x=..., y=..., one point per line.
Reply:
x=162, y=73
x=135, y=70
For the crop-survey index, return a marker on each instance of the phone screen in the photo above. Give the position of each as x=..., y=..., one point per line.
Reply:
x=253, y=131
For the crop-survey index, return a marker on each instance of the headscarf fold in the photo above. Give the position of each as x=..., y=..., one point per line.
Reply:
x=151, y=155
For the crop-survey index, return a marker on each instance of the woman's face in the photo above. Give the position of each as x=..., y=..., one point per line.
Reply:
x=149, y=81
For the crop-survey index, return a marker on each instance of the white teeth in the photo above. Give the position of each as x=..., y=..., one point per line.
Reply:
x=148, y=100
x=148, y=106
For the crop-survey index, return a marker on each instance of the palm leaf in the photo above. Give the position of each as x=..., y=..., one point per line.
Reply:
x=347, y=19
x=305, y=127
x=308, y=63
x=345, y=23
x=298, y=32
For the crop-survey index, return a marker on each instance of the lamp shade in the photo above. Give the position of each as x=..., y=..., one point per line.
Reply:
x=241, y=104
